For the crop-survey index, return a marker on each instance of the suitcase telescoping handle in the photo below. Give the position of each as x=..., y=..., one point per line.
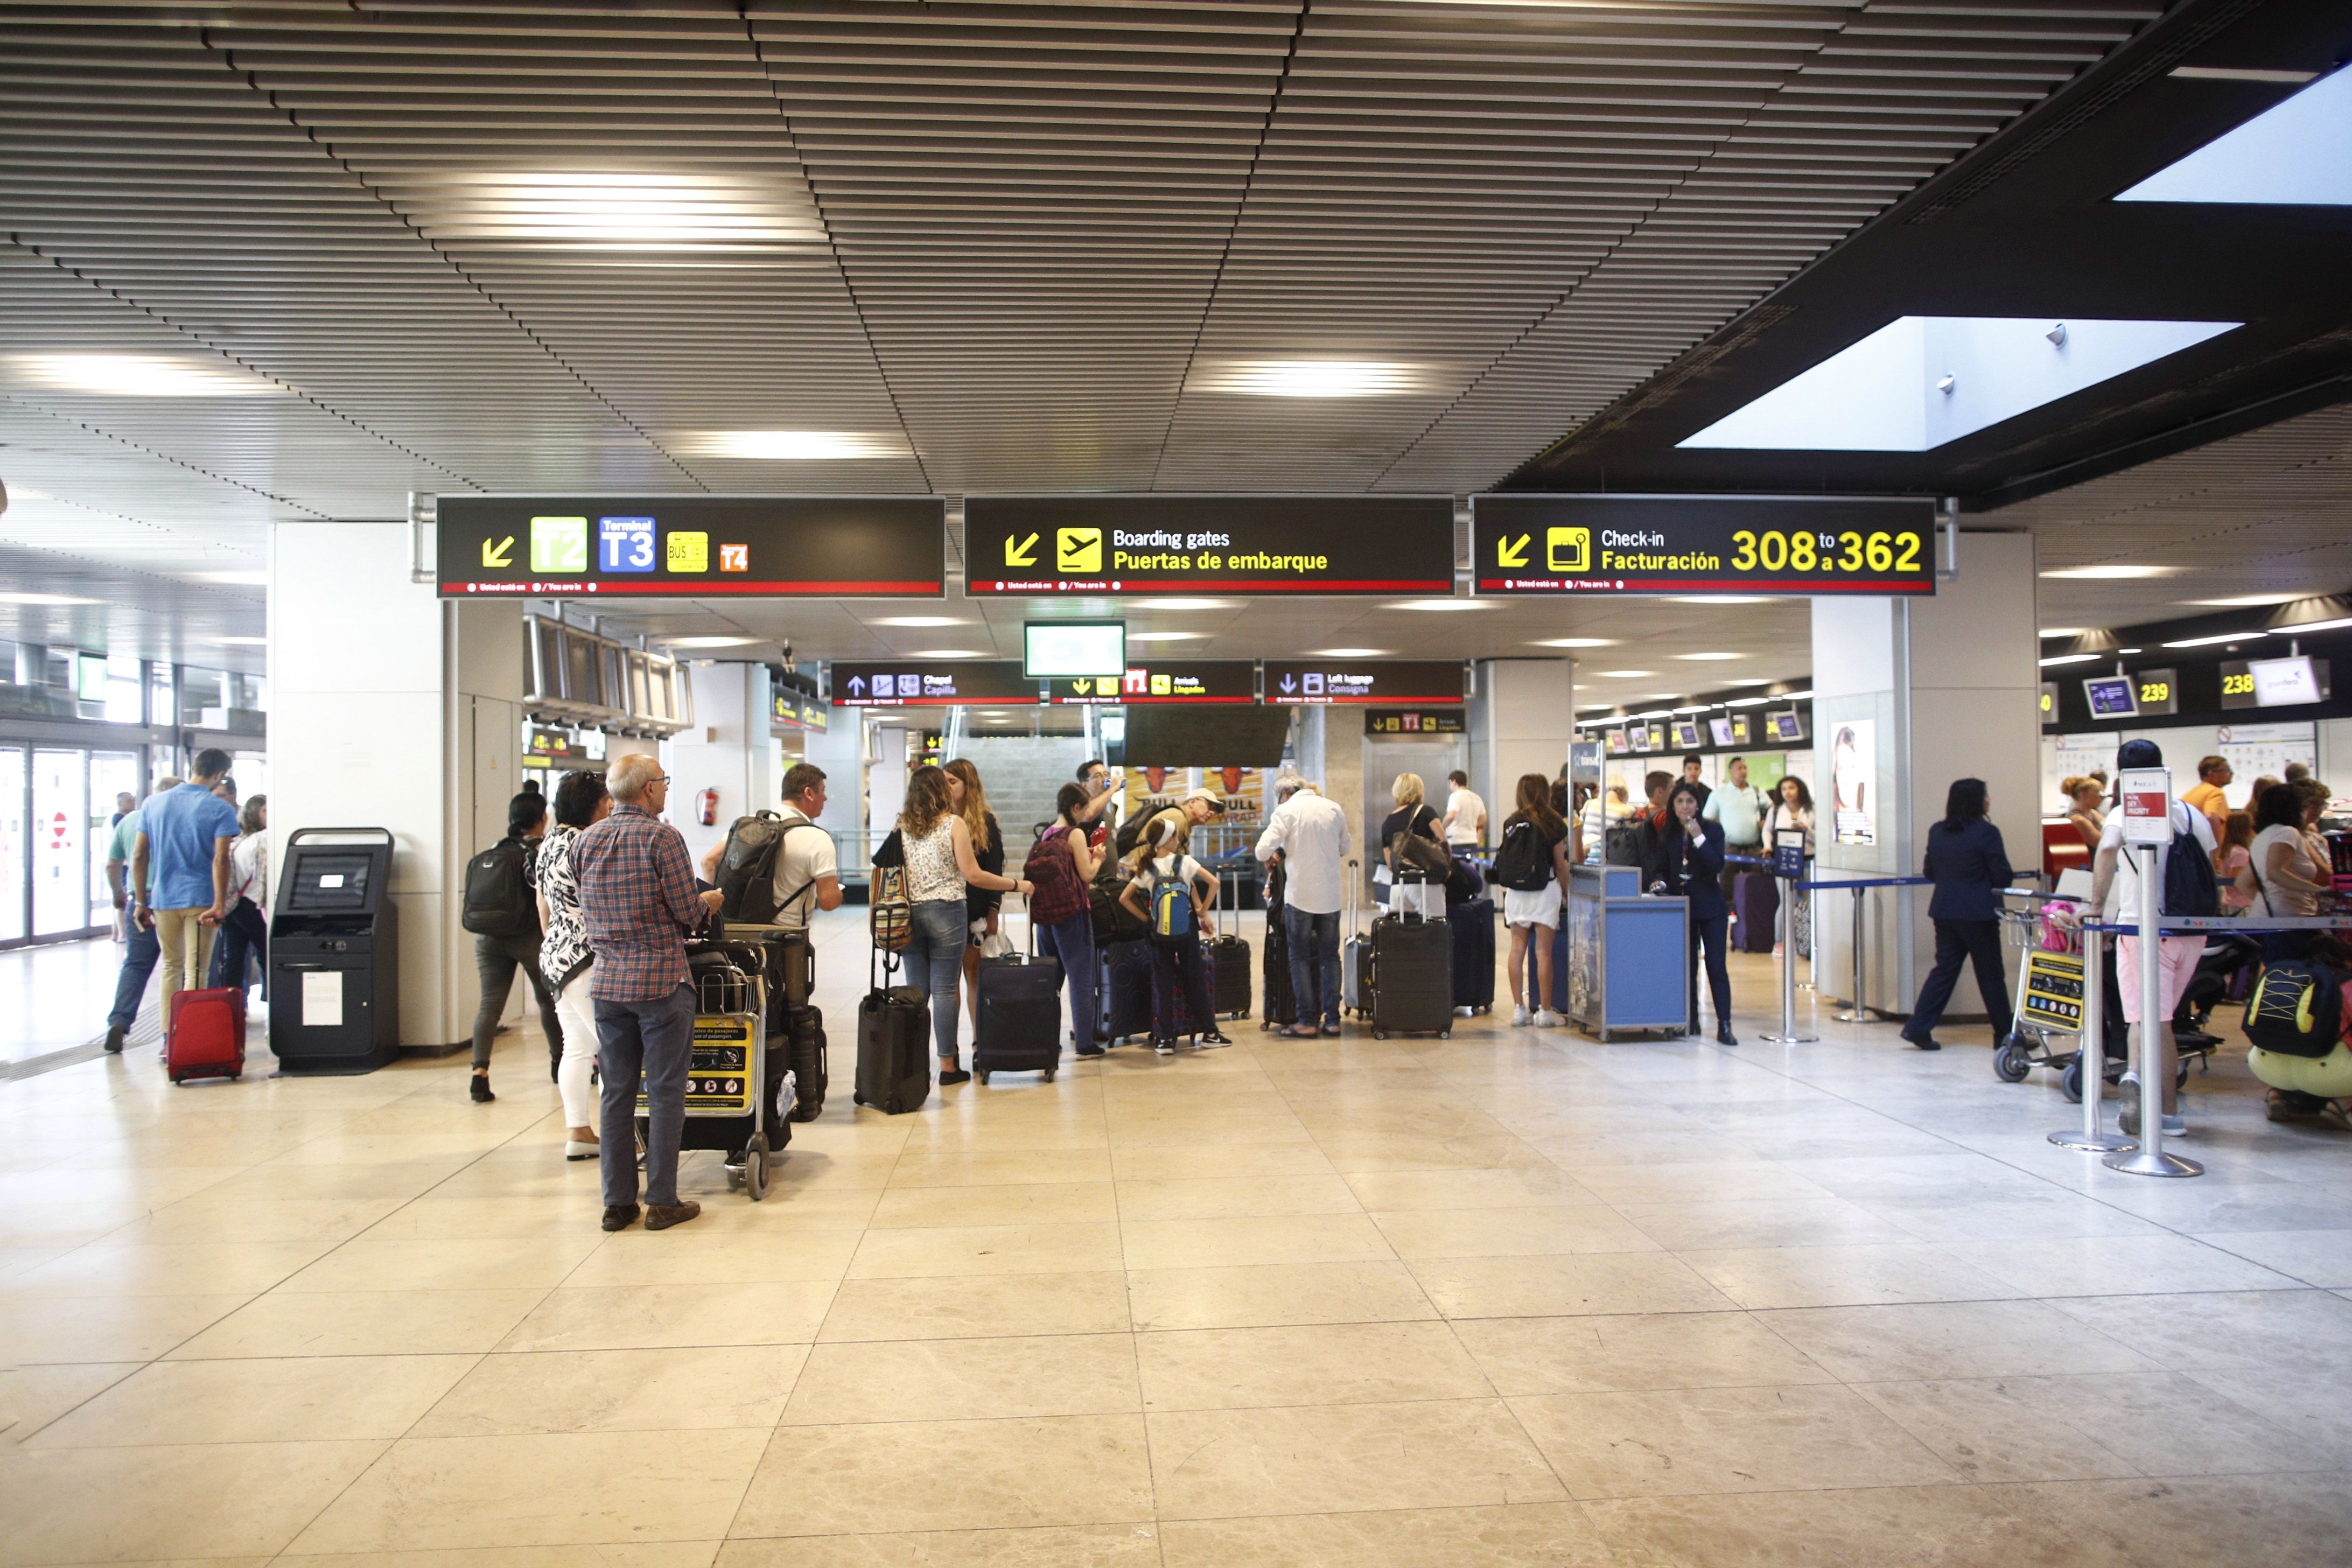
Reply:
x=1355, y=875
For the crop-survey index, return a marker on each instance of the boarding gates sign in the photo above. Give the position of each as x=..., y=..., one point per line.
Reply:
x=691, y=546
x=1570, y=544
x=1208, y=543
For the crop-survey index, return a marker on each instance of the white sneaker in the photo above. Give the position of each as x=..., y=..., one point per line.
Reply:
x=1548, y=1019
x=1521, y=1018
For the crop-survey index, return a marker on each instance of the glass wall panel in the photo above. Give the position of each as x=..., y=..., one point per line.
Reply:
x=60, y=833
x=111, y=774
x=12, y=843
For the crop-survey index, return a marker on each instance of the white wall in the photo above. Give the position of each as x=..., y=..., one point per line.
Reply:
x=1520, y=723
x=724, y=751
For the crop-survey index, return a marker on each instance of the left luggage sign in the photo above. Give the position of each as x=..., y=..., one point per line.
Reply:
x=571, y=546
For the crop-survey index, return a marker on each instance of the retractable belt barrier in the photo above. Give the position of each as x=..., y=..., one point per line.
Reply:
x=1857, y=1013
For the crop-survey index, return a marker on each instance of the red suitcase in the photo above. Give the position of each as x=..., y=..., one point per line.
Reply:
x=207, y=1034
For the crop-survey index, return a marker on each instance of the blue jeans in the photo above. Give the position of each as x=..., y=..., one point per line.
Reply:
x=1073, y=941
x=934, y=958
x=653, y=1038
x=1314, y=944
x=141, y=953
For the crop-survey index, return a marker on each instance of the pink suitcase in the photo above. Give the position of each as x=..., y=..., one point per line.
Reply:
x=205, y=1036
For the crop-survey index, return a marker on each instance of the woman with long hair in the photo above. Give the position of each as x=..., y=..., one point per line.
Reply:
x=1688, y=858
x=982, y=906
x=1792, y=808
x=1071, y=938
x=245, y=929
x=2083, y=800
x=2282, y=875
x=1534, y=844
x=581, y=800
x=942, y=867
x=1970, y=865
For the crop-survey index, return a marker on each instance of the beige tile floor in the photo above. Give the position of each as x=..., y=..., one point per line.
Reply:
x=1514, y=1299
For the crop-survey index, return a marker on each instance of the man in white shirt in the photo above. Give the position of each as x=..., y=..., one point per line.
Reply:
x=1309, y=835
x=1465, y=814
x=2115, y=891
x=1740, y=807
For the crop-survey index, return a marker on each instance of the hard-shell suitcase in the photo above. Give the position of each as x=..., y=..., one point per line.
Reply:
x=1474, y=954
x=1124, y=1003
x=805, y=1040
x=1756, y=899
x=1020, y=1016
x=1230, y=956
x=1182, y=1023
x=894, y=1049
x=205, y=1037
x=1412, y=976
x=1355, y=952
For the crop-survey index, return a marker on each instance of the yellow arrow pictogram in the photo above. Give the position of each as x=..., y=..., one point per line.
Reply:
x=1512, y=551
x=1021, y=554
x=499, y=554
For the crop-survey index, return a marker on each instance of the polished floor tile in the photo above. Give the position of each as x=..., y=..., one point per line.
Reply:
x=1352, y=1363
x=1266, y=1295
x=513, y=1393
x=1333, y=1459
x=133, y=1504
x=1603, y=1355
x=296, y=1399
x=1513, y=1535
x=969, y=1379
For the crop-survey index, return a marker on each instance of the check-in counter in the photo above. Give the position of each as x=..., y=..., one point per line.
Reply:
x=1628, y=954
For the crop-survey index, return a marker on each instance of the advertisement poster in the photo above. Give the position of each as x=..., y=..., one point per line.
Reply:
x=1854, y=781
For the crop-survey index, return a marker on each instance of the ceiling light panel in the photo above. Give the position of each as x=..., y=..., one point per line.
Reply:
x=139, y=376
x=618, y=212
x=794, y=445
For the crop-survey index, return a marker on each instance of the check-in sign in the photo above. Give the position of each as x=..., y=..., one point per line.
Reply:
x=1568, y=544
x=1242, y=544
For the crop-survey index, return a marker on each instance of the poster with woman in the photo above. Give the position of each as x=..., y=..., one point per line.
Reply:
x=1854, y=781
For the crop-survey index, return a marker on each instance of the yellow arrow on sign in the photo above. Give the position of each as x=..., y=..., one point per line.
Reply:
x=1512, y=551
x=1021, y=554
x=499, y=554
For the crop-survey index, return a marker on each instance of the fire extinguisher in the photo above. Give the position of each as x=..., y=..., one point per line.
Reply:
x=706, y=809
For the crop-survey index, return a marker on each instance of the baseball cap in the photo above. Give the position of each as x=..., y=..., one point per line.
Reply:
x=1216, y=802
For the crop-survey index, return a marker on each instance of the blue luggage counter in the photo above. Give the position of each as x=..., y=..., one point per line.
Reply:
x=1628, y=954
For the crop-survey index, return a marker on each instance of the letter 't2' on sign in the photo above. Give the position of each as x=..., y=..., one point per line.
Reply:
x=559, y=544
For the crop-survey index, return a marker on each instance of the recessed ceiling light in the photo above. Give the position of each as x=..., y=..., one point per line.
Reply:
x=947, y=653
x=1751, y=680
x=1624, y=673
x=2056, y=659
x=598, y=210
x=21, y=493
x=236, y=579
x=2335, y=626
x=244, y=642
x=1710, y=657
x=794, y=445
x=15, y=598
x=1190, y=604
x=2200, y=642
x=1165, y=636
x=1574, y=642
x=1896, y=389
x=2293, y=154
x=2049, y=632
x=2244, y=601
x=2109, y=572
x=705, y=642
x=1750, y=701
x=2243, y=73
x=143, y=375
x=1720, y=598
x=920, y=621
x=1349, y=652
x=1312, y=378
x=1444, y=604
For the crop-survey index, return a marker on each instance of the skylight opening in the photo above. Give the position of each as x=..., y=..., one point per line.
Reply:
x=2297, y=152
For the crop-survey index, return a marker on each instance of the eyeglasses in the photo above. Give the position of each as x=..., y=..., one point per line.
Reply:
x=662, y=779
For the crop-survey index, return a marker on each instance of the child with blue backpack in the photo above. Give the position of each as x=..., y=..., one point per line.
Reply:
x=1174, y=896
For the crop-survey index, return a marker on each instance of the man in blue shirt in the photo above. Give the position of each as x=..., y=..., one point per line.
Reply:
x=180, y=872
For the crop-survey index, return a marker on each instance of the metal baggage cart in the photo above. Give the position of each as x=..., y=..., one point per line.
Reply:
x=2048, y=1001
x=728, y=1091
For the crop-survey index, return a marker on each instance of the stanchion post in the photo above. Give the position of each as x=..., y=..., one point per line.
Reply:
x=2150, y=1160
x=2092, y=1137
x=1787, y=1034
x=1856, y=1013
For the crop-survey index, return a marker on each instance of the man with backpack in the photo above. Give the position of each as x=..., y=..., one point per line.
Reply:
x=502, y=912
x=774, y=871
x=2189, y=888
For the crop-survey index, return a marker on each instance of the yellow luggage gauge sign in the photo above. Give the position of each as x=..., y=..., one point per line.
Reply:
x=1208, y=543
x=718, y=1080
x=1567, y=544
x=2053, y=990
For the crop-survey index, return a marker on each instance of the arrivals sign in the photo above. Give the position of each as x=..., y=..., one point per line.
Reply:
x=923, y=684
x=1384, y=681
x=1200, y=681
x=1567, y=544
x=1198, y=544
x=692, y=546
x=1416, y=722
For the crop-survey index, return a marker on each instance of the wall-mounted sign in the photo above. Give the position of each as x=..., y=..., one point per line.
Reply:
x=1367, y=680
x=556, y=745
x=1197, y=680
x=1174, y=542
x=1701, y=544
x=2158, y=690
x=1416, y=722
x=924, y=685
x=692, y=546
x=1620, y=742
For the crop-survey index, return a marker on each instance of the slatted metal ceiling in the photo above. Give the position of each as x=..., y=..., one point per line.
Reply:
x=1019, y=247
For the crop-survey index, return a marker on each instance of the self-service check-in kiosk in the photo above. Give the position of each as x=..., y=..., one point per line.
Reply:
x=334, y=959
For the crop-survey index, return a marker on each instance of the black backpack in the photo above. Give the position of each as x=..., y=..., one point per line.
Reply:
x=497, y=892
x=747, y=869
x=2190, y=886
x=1523, y=863
x=2296, y=1009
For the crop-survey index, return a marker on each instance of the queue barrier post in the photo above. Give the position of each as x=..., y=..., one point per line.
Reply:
x=1787, y=1034
x=2155, y=1020
x=2092, y=1137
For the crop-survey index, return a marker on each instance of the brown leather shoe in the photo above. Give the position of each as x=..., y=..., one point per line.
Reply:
x=661, y=1217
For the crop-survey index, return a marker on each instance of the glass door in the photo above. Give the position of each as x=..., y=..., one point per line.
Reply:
x=60, y=830
x=111, y=775
x=12, y=889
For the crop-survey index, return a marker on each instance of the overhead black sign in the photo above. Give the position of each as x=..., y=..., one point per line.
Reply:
x=1363, y=680
x=1701, y=544
x=1242, y=544
x=926, y=685
x=692, y=546
x=1194, y=680
x=1416, y=722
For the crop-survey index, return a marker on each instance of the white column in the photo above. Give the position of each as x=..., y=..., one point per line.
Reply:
x=726, y=751
x=1941, y=689
x=1521, y=722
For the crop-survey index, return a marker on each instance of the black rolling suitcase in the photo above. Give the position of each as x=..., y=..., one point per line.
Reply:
x=1281, y=1006
x=804, y=1035
x=1124, y=1002
x=1474, y=954
x=1020, y=1015
x=1230, y=957
x=1411, y=976
x=894, y=1049
x=1183, y=1025
x=1756, y=899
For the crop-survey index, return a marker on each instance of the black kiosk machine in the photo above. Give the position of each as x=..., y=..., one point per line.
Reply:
x=334, y=959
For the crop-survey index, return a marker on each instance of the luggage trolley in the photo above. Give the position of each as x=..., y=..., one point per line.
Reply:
x=2048, y=1001
x=731, y=1086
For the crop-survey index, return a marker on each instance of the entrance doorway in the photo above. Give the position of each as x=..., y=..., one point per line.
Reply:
x=57, y=820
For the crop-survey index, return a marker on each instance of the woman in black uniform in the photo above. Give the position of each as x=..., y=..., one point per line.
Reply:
x=1688, y=858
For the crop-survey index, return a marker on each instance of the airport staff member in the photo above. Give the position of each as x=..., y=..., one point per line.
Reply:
x=637, y=901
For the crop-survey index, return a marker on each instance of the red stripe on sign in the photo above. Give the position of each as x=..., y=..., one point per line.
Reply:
x=1223, y=586
x=1744, y=585
x=704, y=589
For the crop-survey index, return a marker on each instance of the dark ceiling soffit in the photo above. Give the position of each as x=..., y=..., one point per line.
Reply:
x=2246, y=620
x=2165, y=444
x=2162, y=44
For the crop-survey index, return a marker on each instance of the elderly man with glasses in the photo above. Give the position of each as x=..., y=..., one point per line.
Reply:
x=638, y=904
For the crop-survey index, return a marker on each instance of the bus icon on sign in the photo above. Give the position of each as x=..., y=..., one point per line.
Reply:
x=1567, y=548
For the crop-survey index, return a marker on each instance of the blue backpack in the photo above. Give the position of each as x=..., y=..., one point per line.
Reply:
x=1171, y=911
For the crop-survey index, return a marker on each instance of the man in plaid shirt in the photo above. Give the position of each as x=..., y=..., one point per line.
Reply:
x=638, y=903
